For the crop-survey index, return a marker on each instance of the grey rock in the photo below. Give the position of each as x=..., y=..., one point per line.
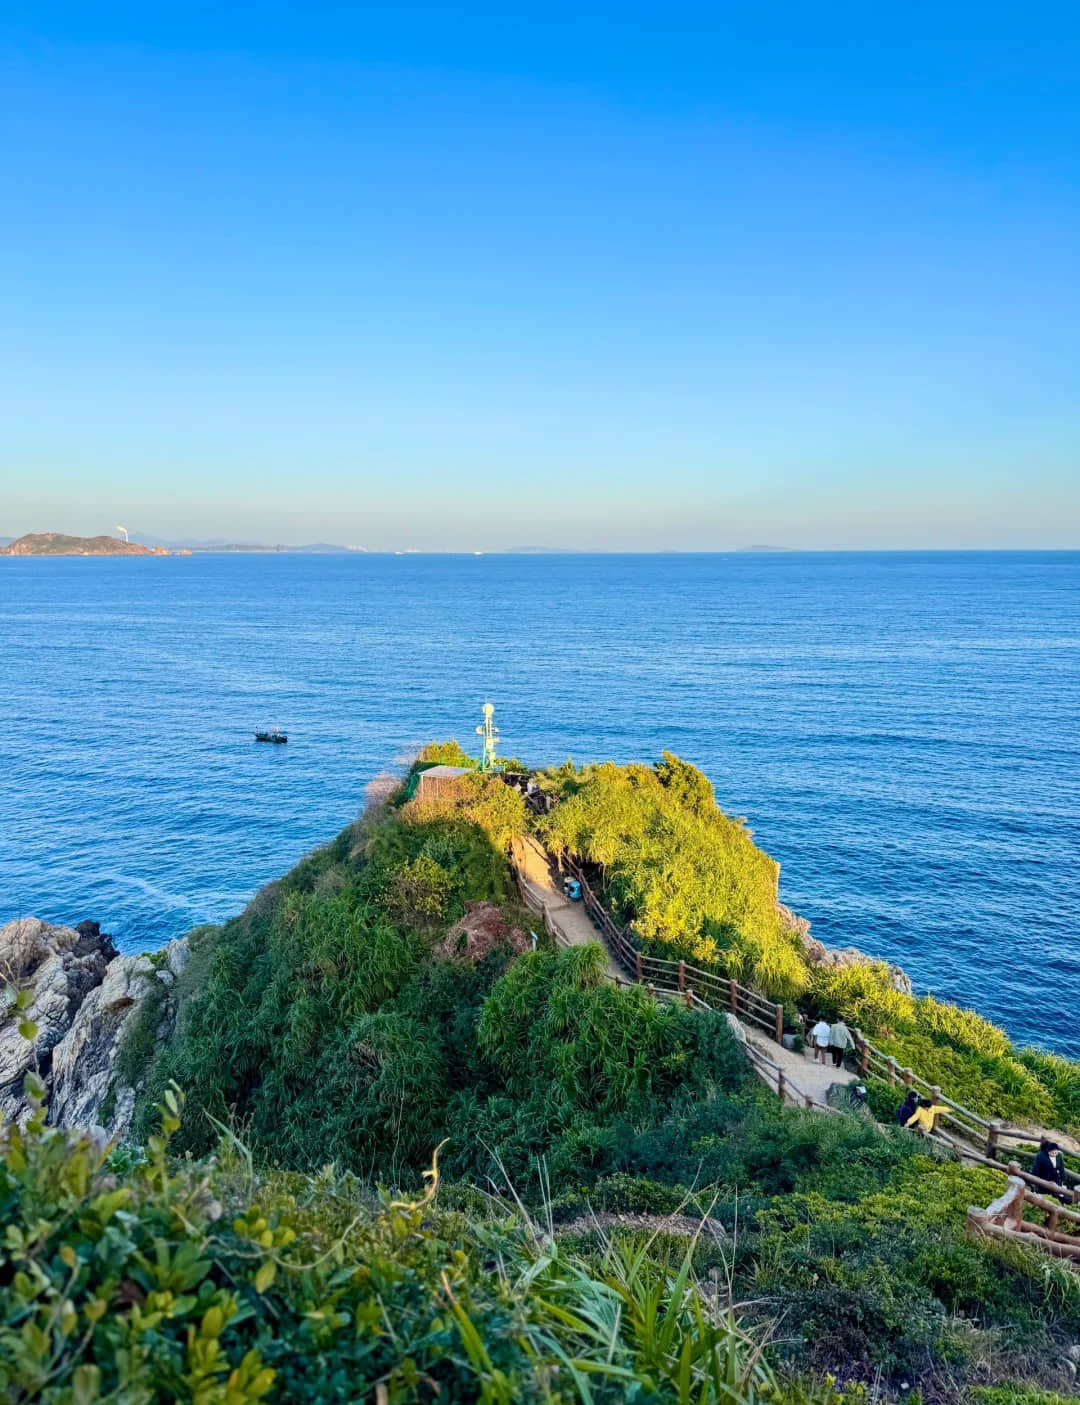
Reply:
x=818, y=954
x=60, y=966
x=84, y=999
x=84, y=1061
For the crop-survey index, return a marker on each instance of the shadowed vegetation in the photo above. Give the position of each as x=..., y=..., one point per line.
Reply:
x=328, y=1045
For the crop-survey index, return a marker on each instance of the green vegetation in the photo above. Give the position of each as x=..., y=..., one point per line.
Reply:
x=624, y=1213
x=690, y=883
x=687, y=876
x=219, y=1284
x=326, y=1024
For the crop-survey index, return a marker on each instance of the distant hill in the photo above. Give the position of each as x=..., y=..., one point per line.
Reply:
x=225, y=544
x=57, y=544
x=313, y=549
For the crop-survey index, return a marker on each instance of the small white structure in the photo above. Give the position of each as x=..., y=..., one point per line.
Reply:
x=436, y=776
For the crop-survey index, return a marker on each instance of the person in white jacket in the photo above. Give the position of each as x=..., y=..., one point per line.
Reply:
x=819, y=1038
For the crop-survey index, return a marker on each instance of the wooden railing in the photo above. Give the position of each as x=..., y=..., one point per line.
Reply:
x=662, y=980
x=1058, y=1233
x=713, y=990
x=987, y=1141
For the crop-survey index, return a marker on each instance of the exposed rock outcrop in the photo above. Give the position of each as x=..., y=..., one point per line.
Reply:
x=88, y=1003
x=60, y=966
x=91, y=1082
x=479, y=932
x=818, y=954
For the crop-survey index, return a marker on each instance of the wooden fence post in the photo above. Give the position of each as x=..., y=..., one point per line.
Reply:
x=637, y=965
x=908, y=1076
x=992, y=1135
x=780, y=1084
x=779, y=1024
x=1018, y=1203
x=682, y=975
x=689, y=998
x=864, y=1054
x=733, y=997
x=892, y=1070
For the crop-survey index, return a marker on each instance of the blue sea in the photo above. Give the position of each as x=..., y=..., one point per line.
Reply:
x=900, y=730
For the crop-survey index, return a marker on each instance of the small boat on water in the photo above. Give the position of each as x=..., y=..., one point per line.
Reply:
x=273, y=735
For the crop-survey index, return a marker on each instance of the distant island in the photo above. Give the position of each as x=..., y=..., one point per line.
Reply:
x=58, y=544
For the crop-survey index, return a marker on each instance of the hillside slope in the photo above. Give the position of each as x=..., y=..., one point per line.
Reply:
x=57, y=544
x=385, y=999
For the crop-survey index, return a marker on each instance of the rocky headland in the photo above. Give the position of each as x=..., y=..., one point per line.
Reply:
x=59, y=544
x=98, y=1016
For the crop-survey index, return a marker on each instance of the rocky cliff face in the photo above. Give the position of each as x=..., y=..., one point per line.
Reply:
x=818, y=954
x=98, y=1014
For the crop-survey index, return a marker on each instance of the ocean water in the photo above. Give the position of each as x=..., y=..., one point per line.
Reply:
x=900, y=730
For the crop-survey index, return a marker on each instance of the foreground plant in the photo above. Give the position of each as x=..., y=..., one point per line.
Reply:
x=217, y=1285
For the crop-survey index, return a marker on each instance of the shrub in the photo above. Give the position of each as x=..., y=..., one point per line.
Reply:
x=552, y=1026
x=419, y=893
x=885, y=1280
x=686, y=875
x=215, y=1285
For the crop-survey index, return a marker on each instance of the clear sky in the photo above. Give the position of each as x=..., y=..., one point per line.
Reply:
x=627, y=276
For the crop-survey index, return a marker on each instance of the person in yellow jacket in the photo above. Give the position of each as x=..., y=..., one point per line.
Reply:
x=925, y=1116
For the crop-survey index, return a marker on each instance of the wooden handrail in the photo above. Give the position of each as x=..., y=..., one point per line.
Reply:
x=751, y=1004
x=768, y=1015
x=1004, y=1219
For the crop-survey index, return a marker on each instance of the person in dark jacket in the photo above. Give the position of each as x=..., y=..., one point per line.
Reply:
x=1049, y=1165
x=906, y=1109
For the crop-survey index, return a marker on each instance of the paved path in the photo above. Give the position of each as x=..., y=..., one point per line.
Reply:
x=569, y=920
x=800, y=1070
x=805, y=1076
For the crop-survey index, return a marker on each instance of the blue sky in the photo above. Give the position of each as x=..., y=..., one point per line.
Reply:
x=683, y=277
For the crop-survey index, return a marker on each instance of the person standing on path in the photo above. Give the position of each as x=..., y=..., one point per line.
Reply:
x=840, y=1041
x=819, y=1037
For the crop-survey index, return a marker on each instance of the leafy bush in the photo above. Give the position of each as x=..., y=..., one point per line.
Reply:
x=553, y=1026
x=686, y=875
x=885, y=1282
x=420, y=893
x=212, y=1284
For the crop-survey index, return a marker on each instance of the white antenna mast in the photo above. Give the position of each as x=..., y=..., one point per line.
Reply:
x=490, y=734
x=125, y=532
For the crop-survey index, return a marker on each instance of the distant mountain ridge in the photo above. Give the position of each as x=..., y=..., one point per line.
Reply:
x=141, y=544
x=226, y=544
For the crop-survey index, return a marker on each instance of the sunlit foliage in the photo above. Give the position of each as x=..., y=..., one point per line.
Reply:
x=684, y=874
